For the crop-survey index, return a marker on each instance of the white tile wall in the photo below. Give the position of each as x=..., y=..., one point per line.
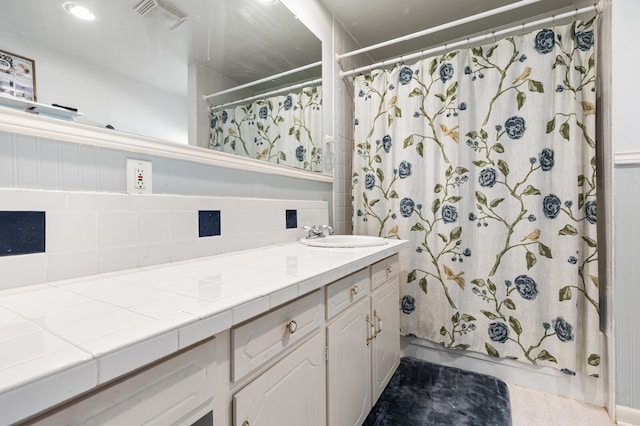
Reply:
x=343, y=132
x=154, y=254
x=93, y=232
x=117, y=228
x=154, y=226
x=181, y=228
x=71, y=264
x=117, y=259
x=59, y=240
x=27, y=269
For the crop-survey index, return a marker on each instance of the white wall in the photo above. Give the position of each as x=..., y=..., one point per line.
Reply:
x=103, y=97
x=624, y=129
x=625, y=76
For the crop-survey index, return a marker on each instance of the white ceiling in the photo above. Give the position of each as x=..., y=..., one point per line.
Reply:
x=241, y=39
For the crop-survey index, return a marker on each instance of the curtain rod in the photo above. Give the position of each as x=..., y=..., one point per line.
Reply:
x=468, y=41
x=263, y=80
x=437, y=28
x=273, y=92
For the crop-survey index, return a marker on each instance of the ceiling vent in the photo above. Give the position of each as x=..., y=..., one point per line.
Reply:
x=145, y=7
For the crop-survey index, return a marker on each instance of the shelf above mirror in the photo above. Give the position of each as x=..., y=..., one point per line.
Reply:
x=37, y=108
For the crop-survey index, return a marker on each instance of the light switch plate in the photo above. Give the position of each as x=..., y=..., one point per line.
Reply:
x=139, y=177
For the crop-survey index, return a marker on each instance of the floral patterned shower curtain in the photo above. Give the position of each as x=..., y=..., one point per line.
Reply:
x=484, y=158
x=284, y=129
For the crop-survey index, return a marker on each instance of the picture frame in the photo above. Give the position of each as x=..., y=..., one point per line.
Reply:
x=17, y=76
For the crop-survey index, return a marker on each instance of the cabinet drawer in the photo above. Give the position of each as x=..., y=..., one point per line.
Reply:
x=263, y=338
x=384, y=271
x=346, y=291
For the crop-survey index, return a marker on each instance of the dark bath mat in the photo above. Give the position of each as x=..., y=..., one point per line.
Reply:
x=423, y=393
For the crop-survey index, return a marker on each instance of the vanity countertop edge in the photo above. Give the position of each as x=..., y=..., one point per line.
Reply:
x=131, y=318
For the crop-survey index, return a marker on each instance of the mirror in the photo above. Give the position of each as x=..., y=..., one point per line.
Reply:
x=144, y=66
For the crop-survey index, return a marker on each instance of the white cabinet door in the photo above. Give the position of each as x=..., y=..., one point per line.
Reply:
x=385, y=357
x=292, y=392
x=349, y=366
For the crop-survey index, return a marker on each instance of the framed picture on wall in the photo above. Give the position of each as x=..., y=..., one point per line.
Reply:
x=17, y=76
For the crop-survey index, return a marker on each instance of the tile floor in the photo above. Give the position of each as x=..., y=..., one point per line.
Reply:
x=534, y=408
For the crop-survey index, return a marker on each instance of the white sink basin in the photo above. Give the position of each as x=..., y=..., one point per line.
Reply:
x=334, y=241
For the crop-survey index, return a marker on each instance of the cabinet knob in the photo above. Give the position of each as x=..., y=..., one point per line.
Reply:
x=291, y=328
x=389, y=269
x=354, y=290
x=245, y=423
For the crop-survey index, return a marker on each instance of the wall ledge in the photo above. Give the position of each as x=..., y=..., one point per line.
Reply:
x=626, y=158
x=14, y=121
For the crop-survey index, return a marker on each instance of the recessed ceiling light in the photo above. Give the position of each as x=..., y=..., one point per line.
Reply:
x=267, y=1
x=78, y=11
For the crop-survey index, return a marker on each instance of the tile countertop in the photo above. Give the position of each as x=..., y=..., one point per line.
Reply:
x=63, y=338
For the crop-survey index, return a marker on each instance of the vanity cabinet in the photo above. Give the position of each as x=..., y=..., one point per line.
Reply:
x=363, y=341
x=318, y=359
x=292, y=392
x=179, y=390
x=329, y=370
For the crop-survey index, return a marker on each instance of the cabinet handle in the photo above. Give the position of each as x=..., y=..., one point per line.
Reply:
x=354, y=290
x=245, y=423
x=291, y=328
x=389, y=269
x=372, y=326
x=378, y=321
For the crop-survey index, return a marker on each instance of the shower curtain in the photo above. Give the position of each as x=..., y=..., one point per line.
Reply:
x=484, y=159
x=284, y=129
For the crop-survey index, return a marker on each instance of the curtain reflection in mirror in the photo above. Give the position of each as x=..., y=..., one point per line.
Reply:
x=283, y=129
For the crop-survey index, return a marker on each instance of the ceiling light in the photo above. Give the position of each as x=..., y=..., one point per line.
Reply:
x=267, y=1
x=78, y=11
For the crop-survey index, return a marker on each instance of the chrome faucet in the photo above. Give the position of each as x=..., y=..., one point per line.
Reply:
x=317, y=231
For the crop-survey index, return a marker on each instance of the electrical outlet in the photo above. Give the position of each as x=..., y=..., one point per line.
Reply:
x=138, y=176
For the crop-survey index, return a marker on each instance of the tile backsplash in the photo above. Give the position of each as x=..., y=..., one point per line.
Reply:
x=291, y=219
x=89, y=232
x=21, y=232
x=208, y=223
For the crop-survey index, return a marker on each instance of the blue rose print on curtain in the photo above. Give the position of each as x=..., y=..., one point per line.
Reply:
x=514, y=127
x=544, y=41
x=546, y=159
x=484, y=159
